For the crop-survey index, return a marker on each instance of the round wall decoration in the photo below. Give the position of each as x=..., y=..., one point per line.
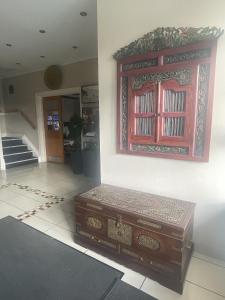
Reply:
x=53, y=77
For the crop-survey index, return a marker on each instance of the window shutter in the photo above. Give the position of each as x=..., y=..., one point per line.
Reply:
x=143, y=113
x=175, y=113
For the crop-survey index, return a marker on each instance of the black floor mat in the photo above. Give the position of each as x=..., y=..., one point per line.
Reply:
x=124, y=291
x=34, y=266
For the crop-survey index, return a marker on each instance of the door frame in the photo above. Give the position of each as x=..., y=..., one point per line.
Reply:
x=40, y=115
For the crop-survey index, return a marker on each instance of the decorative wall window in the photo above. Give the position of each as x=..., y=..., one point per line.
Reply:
x=164, y=95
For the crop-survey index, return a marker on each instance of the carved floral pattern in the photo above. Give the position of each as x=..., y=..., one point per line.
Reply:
x=140, y=64
x=148, y=242
x=203, y=83
x=121, y=233
x=168, y=37
x=94, y=222
x=183, y=77
x=124, y=110
x=190, y=55
x=160, y=149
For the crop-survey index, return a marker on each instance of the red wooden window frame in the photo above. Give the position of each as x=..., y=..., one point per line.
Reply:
x=189, y=141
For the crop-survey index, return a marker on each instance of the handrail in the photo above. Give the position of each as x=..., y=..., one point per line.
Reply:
x=26, y=118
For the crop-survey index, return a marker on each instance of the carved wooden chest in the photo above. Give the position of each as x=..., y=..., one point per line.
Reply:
x=149, y=233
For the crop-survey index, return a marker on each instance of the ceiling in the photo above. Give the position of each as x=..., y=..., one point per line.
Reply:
x=20, y=22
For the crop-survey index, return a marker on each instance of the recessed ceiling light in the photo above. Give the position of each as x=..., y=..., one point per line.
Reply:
x=42, y=31
x=8, y=45
x=75, y=47
x=83, y=13
x=42, y=56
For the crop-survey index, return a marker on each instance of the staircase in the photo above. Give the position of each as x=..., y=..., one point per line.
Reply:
x=16, y=153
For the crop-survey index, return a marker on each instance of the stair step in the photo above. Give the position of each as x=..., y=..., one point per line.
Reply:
x=14, y=149
x=18, y=157
x=17, y=153
x=12, y=142
x=4, y=138
x=21, y=163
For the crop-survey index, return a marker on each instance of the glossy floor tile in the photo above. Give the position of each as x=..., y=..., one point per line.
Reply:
x=64, y=236
x=38, y=223
x=21, y=202
x=8, y=210
x=191, y=292
x=54, y=215
x=207, y=275
x=209, y=259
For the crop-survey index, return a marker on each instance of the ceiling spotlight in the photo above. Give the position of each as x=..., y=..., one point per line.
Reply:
x=42, y=31
x=42, y=56
x=75, y=47
x=83, y=13
x=8, y=45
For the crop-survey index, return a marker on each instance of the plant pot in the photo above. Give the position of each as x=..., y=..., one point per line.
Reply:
x=76, y=162
x=91, y=163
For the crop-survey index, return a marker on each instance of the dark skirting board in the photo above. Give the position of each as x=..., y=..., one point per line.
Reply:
x=34, y=266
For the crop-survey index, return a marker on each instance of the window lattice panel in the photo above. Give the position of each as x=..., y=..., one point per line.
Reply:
x=174, y=126
x=174, y=101
x=145, y=103
x=144, y=126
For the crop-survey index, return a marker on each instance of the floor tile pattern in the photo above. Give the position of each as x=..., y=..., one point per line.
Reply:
x=38, y=192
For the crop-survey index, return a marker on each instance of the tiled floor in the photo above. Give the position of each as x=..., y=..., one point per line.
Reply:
x=206, y=276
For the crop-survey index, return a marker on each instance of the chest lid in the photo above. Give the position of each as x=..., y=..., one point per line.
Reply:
x=167, y=211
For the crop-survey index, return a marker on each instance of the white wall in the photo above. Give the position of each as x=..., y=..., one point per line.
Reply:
x=1, y=96
x=119, y=23
x=2, y=119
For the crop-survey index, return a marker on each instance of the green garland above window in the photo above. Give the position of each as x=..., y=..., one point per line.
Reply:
x=168, y=37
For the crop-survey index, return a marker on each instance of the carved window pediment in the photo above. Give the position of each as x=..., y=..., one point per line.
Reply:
x=168, y=37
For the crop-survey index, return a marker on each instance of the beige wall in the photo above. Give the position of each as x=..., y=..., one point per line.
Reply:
x=1, y=96
x=77, y=74
x=119, y=23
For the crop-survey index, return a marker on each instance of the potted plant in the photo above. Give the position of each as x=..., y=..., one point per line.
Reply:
x=75, y=129
x=91, y=161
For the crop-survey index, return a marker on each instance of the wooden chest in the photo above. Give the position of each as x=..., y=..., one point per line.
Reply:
x=148, y=233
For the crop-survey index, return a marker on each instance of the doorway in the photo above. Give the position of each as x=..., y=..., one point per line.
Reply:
x=58, y=112
x=52, y=107
x=53, y=123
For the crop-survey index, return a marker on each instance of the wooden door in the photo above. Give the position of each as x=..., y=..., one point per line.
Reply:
x=53, y=129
